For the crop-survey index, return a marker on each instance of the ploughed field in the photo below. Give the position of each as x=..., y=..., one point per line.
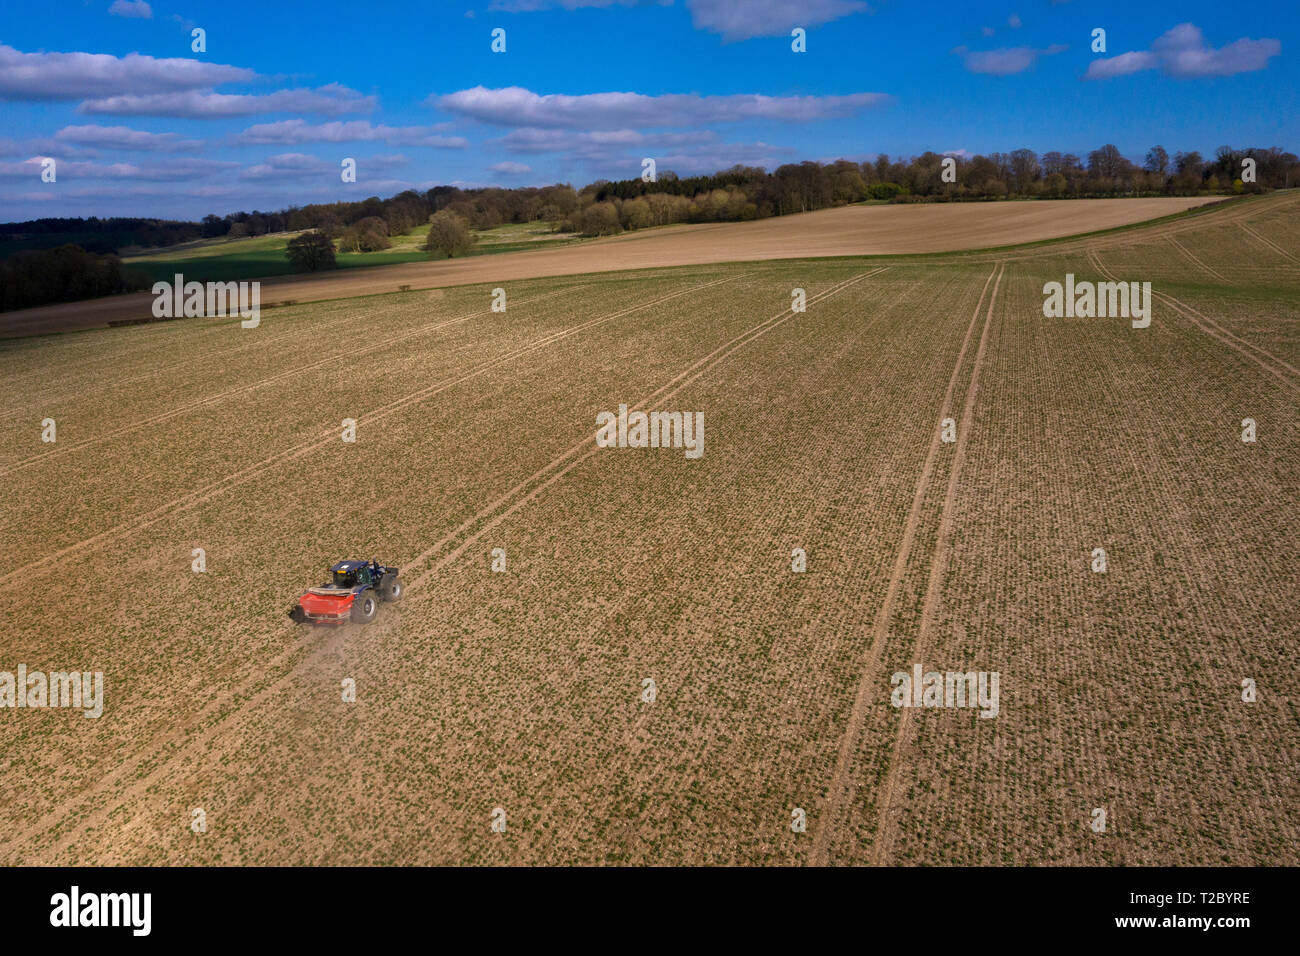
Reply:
x=523, y=689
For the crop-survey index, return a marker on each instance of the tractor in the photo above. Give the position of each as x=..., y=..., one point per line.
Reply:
x=352, y=593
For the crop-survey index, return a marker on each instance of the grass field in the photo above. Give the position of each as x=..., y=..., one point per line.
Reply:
x=522, y=690
x=221, y=260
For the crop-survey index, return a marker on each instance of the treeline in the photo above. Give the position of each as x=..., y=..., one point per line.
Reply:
x=742, y=192
x=482, y=208
x=753, y=193
x=66, y=274
x=745, y=192
x=98, y=235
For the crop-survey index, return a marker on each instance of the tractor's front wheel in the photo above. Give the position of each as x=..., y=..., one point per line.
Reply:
x=364, y=607
x=392, y=590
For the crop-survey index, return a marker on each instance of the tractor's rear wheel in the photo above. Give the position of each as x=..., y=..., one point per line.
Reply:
x=365, y=607
x=392, y=590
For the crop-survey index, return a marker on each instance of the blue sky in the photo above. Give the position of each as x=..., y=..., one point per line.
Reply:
x=139, y=124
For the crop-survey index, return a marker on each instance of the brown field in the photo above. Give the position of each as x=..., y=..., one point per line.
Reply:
x=847, y=231
x=521, y=690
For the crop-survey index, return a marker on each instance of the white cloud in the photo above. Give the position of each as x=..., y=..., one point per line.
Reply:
x=1005, y=61
x=516, y=106
x=290, y=166
x=46, y=146
x=1183, y=53
x=733, y=19
x=1013, y=21
x=300, y=166
x=385, y=161
x=189, y=200
x=533, y=140
x=137, y=9
x=710, y=159
x=125, y=138
x=174, y=171
x=297, y=131
x=330, y=100
x=618, y=153
x=510, y=169
x=1121, y=65
x=766, y=18
x=72, y=76
x=27, y=168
